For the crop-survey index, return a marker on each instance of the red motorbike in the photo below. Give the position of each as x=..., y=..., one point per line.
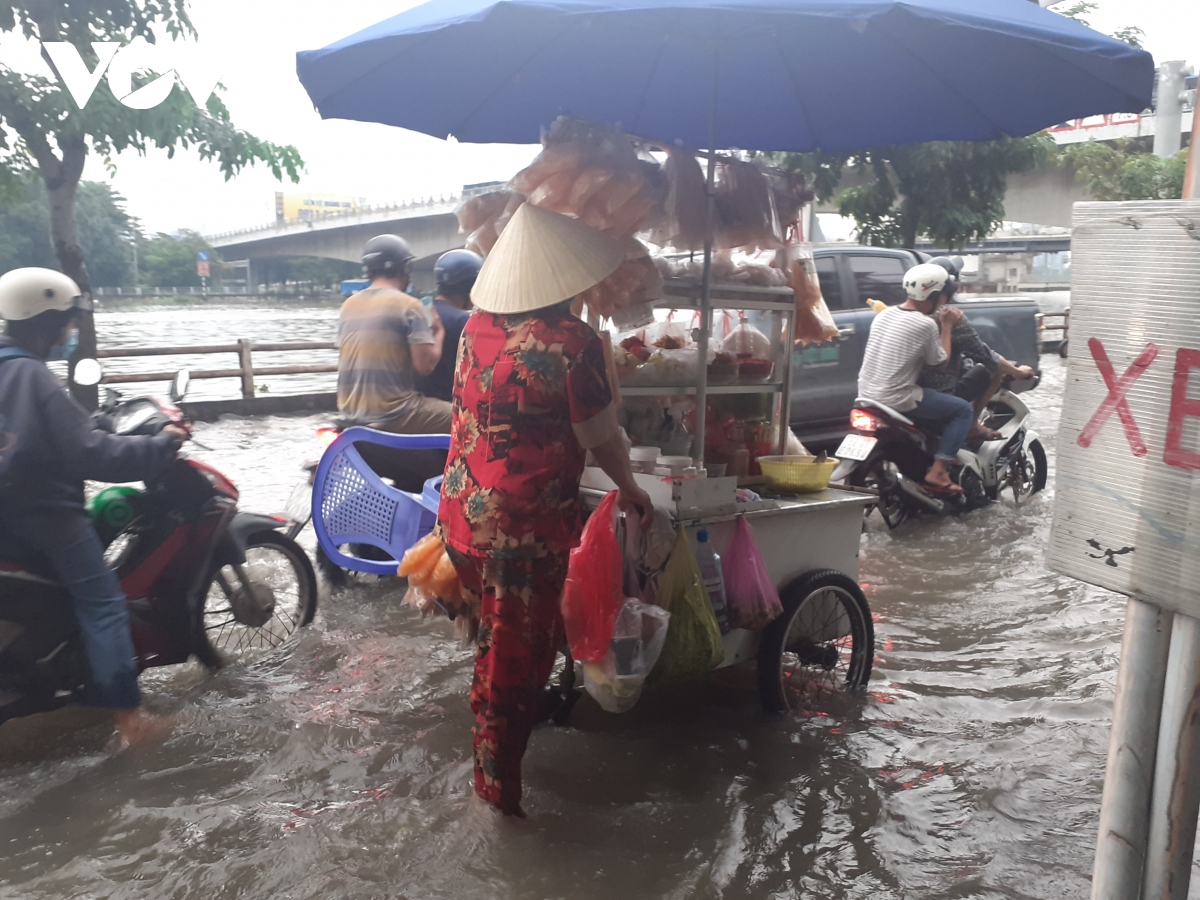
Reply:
x=203, y=578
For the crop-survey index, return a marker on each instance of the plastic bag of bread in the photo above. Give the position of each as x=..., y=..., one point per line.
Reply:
x=744, y=208
x=686, y=204
x=484, y=216
x=814, y=323
x=433, y=580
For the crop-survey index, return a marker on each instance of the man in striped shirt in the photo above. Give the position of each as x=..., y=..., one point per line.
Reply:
x=903, y=340
x=385, y=338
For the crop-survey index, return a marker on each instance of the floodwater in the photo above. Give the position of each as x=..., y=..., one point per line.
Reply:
x=341, y=767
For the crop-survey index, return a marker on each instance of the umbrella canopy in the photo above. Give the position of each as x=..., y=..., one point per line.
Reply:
x=762, y=74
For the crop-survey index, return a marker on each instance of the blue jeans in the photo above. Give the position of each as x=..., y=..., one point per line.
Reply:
x=68, y=540
x=951, y=414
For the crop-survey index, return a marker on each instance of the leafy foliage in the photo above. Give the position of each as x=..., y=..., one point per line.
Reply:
x=951, y=191
x=106, y=231
x=1118, y=171
x=169, y=260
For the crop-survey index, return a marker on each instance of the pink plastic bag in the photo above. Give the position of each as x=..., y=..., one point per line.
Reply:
x=750, y=596
x=594, y=594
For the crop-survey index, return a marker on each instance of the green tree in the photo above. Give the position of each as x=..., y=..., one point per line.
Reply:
x=106, y=231
x=952, y=192
x=169, y=260
x=41, y=128
x=1123, y=171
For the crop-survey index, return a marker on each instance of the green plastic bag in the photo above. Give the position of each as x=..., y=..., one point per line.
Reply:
x=693, y=647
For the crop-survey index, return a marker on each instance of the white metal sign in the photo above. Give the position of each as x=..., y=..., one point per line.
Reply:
x=1127, y=506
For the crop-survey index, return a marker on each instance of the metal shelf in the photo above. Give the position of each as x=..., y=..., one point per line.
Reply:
x=689, y=389
x=726, y=296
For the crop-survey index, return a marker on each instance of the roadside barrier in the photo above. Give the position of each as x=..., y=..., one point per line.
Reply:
x=246, y=369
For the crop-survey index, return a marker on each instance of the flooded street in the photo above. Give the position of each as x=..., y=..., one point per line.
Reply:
x=341, y=767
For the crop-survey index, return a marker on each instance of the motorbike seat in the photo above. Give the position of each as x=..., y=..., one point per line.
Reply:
x=886, y=410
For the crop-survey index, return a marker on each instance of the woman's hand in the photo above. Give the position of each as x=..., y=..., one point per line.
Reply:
x=634, y=501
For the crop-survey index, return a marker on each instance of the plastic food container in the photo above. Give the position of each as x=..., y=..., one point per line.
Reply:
x=799, y=474
x=644, y=459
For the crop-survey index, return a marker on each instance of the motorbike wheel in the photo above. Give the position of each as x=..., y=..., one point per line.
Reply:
x=821, y=647
x=257, y=605
x=880, y=476
x=1031, y=475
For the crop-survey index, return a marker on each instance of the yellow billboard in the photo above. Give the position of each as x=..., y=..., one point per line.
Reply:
x=294, y=207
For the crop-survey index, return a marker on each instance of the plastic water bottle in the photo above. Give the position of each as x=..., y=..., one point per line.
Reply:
x=714, y=581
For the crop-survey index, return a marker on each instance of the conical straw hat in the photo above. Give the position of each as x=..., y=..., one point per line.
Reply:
x=543, y=258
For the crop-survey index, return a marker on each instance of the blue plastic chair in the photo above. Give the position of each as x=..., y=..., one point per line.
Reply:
x=353, y=505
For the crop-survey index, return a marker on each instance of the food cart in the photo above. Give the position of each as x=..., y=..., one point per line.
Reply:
x=824, y=640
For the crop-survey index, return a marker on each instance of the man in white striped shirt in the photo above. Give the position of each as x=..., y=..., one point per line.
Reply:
x=903, y=340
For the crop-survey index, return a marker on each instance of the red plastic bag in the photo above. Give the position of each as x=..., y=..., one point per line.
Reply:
x=594, y=593
x=750, y=596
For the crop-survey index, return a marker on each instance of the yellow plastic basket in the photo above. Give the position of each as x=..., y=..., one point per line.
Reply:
x=797, y=474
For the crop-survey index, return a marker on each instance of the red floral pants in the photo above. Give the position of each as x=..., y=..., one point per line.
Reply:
x=520, y=631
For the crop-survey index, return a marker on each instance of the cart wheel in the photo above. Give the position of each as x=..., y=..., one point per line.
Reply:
x=823, y=643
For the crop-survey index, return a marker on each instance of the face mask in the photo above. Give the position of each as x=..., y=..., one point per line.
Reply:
x=64, y=350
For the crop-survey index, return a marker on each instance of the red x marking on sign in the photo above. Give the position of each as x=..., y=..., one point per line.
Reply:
x=1116, y=396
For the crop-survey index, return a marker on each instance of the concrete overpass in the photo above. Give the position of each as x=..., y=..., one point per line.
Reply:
x=430, y=228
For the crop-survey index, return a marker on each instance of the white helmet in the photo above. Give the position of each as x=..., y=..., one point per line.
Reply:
x=25, y=293
x=921, y=282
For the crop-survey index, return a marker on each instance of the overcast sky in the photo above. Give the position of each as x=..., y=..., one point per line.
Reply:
x=257, y=41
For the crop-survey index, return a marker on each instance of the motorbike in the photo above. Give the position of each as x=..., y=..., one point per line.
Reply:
x=204, y=579
x=887, y=452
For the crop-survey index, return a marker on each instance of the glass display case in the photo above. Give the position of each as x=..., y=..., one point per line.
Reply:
x=745, y=376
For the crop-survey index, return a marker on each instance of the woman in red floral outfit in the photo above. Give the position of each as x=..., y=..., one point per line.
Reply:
x=531, y=396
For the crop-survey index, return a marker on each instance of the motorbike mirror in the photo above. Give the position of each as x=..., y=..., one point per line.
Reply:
x=87, y=373
x=179, y=385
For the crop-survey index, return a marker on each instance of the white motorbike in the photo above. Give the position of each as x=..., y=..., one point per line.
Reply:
x=888, y=452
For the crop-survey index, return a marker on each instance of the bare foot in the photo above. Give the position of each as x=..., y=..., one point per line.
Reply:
x=938, y=479
x=987, y=434
x=136, y=726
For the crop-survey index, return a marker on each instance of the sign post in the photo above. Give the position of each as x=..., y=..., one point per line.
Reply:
x=1127, y=517
x=202, y=268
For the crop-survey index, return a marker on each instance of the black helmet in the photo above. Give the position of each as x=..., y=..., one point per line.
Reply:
x=456, y=272
x=388, y=255
x=953, y=267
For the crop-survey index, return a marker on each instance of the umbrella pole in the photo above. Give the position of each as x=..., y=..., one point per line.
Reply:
x=706, y=281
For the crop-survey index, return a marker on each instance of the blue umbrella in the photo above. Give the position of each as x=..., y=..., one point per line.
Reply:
x=759, y=74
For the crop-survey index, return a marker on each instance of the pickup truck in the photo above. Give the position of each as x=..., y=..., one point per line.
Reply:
x=825, y=375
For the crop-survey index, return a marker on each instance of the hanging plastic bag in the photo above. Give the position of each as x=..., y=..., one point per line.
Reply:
x=750, y=596
x=693, y=647
x=593, y=595
x=433, y=580
x=616, y=681
x=814, y=322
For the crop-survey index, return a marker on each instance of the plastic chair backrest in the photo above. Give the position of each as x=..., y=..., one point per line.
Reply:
x=353, y=505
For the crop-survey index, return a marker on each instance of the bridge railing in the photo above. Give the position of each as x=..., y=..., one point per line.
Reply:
x=244, y=349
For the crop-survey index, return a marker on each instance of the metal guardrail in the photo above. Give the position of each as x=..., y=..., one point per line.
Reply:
x=244, y=349
x=1044, y=326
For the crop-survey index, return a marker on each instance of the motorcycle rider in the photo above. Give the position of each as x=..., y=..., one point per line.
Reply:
x=384, y=340
x=904, y=339
x=978, y=381
x=48, y=448
x=455, y=273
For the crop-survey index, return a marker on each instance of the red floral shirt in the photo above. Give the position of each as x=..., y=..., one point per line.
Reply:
x=530, y=395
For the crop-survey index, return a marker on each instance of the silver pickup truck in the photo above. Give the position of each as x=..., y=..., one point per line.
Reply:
x=825, y=375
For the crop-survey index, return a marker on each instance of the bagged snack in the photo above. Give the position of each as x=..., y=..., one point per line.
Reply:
x=593, y=594
x=484, y=216
x=744, y=208
x=433, y=580
x=745, y=340
x=693, y=647
x=616, y=681
x=686, y=205
x=750, y=596
x=814, y=323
